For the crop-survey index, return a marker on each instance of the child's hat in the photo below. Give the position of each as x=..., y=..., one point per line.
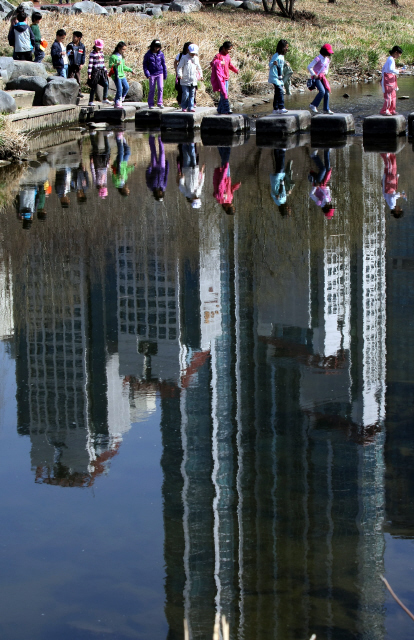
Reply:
x=99, y=43
x=193, y=48
x=328, y=48
x=103, y=192
x=196, y=203
x=330, y=213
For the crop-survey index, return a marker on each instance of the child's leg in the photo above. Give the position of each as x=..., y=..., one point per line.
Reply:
x=387, y=102
x=191, y=98
x=161, y=153
x=153, y=151
x=118, y=84
x=105, y=90
x=160, y=84
x=280, y=98
x=275, y=98
x=151, y=91
x=185, y=94
x=393, y=102
x=321, y=92
x=125, y=87
x=326, y=101
x=91, y=94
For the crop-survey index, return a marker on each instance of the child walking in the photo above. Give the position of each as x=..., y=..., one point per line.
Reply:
x=21, y=38
x=276, y=65
x=318, y=69
x=389, y=82
x=220, y=67
x=117, y=62
x=189, y=72
x=39, y=54
x=59, y=56
x=97, y=72
x=155, y=70
x=76, y=56
x=177, y=79
x=390, y=184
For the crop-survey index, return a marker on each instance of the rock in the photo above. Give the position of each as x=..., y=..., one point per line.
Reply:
x=133, y=8
x=225, y=123
x=403, y=97
x=61, y=91
x=251, y=6
x=88, y=7
x=135, y=92
x=7, y=103
x=111, y=91
x=381, y=126
x=185, y=6
x=283, y=124
x=114, y=9
x=236, y=4
x=144, y=15
x=5, y=6
x=17, y=68
x=346, y=95
x=154, y=11
x=165, y=7
x=331, y=125
x=29, y=83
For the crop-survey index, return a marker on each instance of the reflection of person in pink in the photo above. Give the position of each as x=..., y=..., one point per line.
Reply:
x=390, y=184
x=321, y=192
x=223, y=189
x=389, y=82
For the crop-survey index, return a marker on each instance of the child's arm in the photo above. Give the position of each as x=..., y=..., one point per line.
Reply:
x=180, y=68
x=311, y=65
x=199, y=67
x=164, y=66
x=145, y=67
x=233, y=68
x=32, y=38
x=82, y=62
x=90, y=65
x=11, y=37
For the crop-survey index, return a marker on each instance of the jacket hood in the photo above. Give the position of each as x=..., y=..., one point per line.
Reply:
x=21, y=27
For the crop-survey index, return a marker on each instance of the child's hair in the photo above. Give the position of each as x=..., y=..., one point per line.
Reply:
x=124, y=191
x=281, y=46
x=60, y=32
x=41, y=215
x=397, y=212
x=158, y=194
x=396, y=50
x=155, y=43
x=36, y=16
x=229, y=208
x=226, y=45
x=284, y=210
x=185, y=48
x=119, y=46
x=77, y=34
x=21, y=16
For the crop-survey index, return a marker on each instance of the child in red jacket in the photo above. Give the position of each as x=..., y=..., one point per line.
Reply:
x=220, y=67
x=223, y=189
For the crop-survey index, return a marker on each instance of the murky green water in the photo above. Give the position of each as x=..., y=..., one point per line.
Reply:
x=205, y=412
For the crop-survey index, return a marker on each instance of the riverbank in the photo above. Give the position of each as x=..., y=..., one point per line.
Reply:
x=361, y=35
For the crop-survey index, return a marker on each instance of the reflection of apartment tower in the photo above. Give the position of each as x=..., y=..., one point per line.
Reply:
x=148, y=295
x=6, y=301
x=369, y=409
x=62, y=405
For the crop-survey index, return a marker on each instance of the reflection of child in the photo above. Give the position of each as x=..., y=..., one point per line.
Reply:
x=390, y=184
x=80, y=182
x=62, y=186
x=389, y=82
x=191, y=178
x=223, y=189
x=25, y=204
x=157, y=172
x=321, y=193
x=99, y=165
x=120, y=169
x=281, y=183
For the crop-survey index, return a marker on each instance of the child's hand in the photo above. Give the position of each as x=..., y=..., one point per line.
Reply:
x=89, y=77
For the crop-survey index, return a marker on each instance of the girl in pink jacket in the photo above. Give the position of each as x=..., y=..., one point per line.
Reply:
x=389, y=82
x=220, y=67
x=318, y=69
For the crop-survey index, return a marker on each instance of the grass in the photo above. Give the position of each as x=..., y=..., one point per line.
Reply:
x=13, y=144
x=360, y=33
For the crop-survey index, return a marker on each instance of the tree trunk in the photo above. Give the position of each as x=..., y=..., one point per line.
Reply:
x=265, y=6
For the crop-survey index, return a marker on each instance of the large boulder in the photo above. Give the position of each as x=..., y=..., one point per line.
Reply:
x=185, y=6
x=250, y=5
x=133, y=8
x=235, y=4
x=88, y=7
x=7, y=103
x=154, y=11
x=17, y=68
x=135, y=93
x=29, y=83
x=5, y=6
x=60, y=91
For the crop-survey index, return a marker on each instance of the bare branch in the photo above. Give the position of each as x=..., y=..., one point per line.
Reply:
x=396, y=598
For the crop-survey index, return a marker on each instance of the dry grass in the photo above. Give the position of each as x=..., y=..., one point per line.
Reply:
x=13, y=144
x=361, y=34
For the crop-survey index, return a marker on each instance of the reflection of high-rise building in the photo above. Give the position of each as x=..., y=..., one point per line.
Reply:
x=6, y=302
x=62, y=376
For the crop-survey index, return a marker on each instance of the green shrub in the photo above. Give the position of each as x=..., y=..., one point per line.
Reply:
x=169, y=87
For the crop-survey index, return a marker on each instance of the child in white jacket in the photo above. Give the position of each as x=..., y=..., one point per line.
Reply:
x=189, y=71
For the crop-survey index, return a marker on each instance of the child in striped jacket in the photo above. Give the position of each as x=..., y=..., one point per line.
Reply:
x=97, y=72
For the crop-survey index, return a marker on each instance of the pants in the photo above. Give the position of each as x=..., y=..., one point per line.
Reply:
x=159, y=80
x=63, y=72
x=390, y=172
x=225, y=156
x=160, y=163
x=124, y=152
x=74, y=72
x=278, y=98
x=187, y=101
x=23, y=55
x=390, y=85
x=224, y=105
x=323, y=167
x=105, y=85
x=38, y=54
x=323, y=93
x=189, y=155
x=122, y=87
x=279, y=158
x=180, y=92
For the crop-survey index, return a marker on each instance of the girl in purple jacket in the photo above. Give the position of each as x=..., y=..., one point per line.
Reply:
x=155, y=70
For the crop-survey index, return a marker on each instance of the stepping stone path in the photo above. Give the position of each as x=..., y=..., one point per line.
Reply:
x=379, y=125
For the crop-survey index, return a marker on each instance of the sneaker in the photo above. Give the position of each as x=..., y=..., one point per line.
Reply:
x=275, y=112
x=118, y=104
x=91, y=104
x=313, y=108
x=106, y=101
x=150, y=106
x=160, y=106
x=183, y=110
x=191, y=110
x=283, y=111
x=328, y=112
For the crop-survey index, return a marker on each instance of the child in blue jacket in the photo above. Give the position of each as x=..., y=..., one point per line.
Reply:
x=60, y=59
x=155, y=70
x=276, y=76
